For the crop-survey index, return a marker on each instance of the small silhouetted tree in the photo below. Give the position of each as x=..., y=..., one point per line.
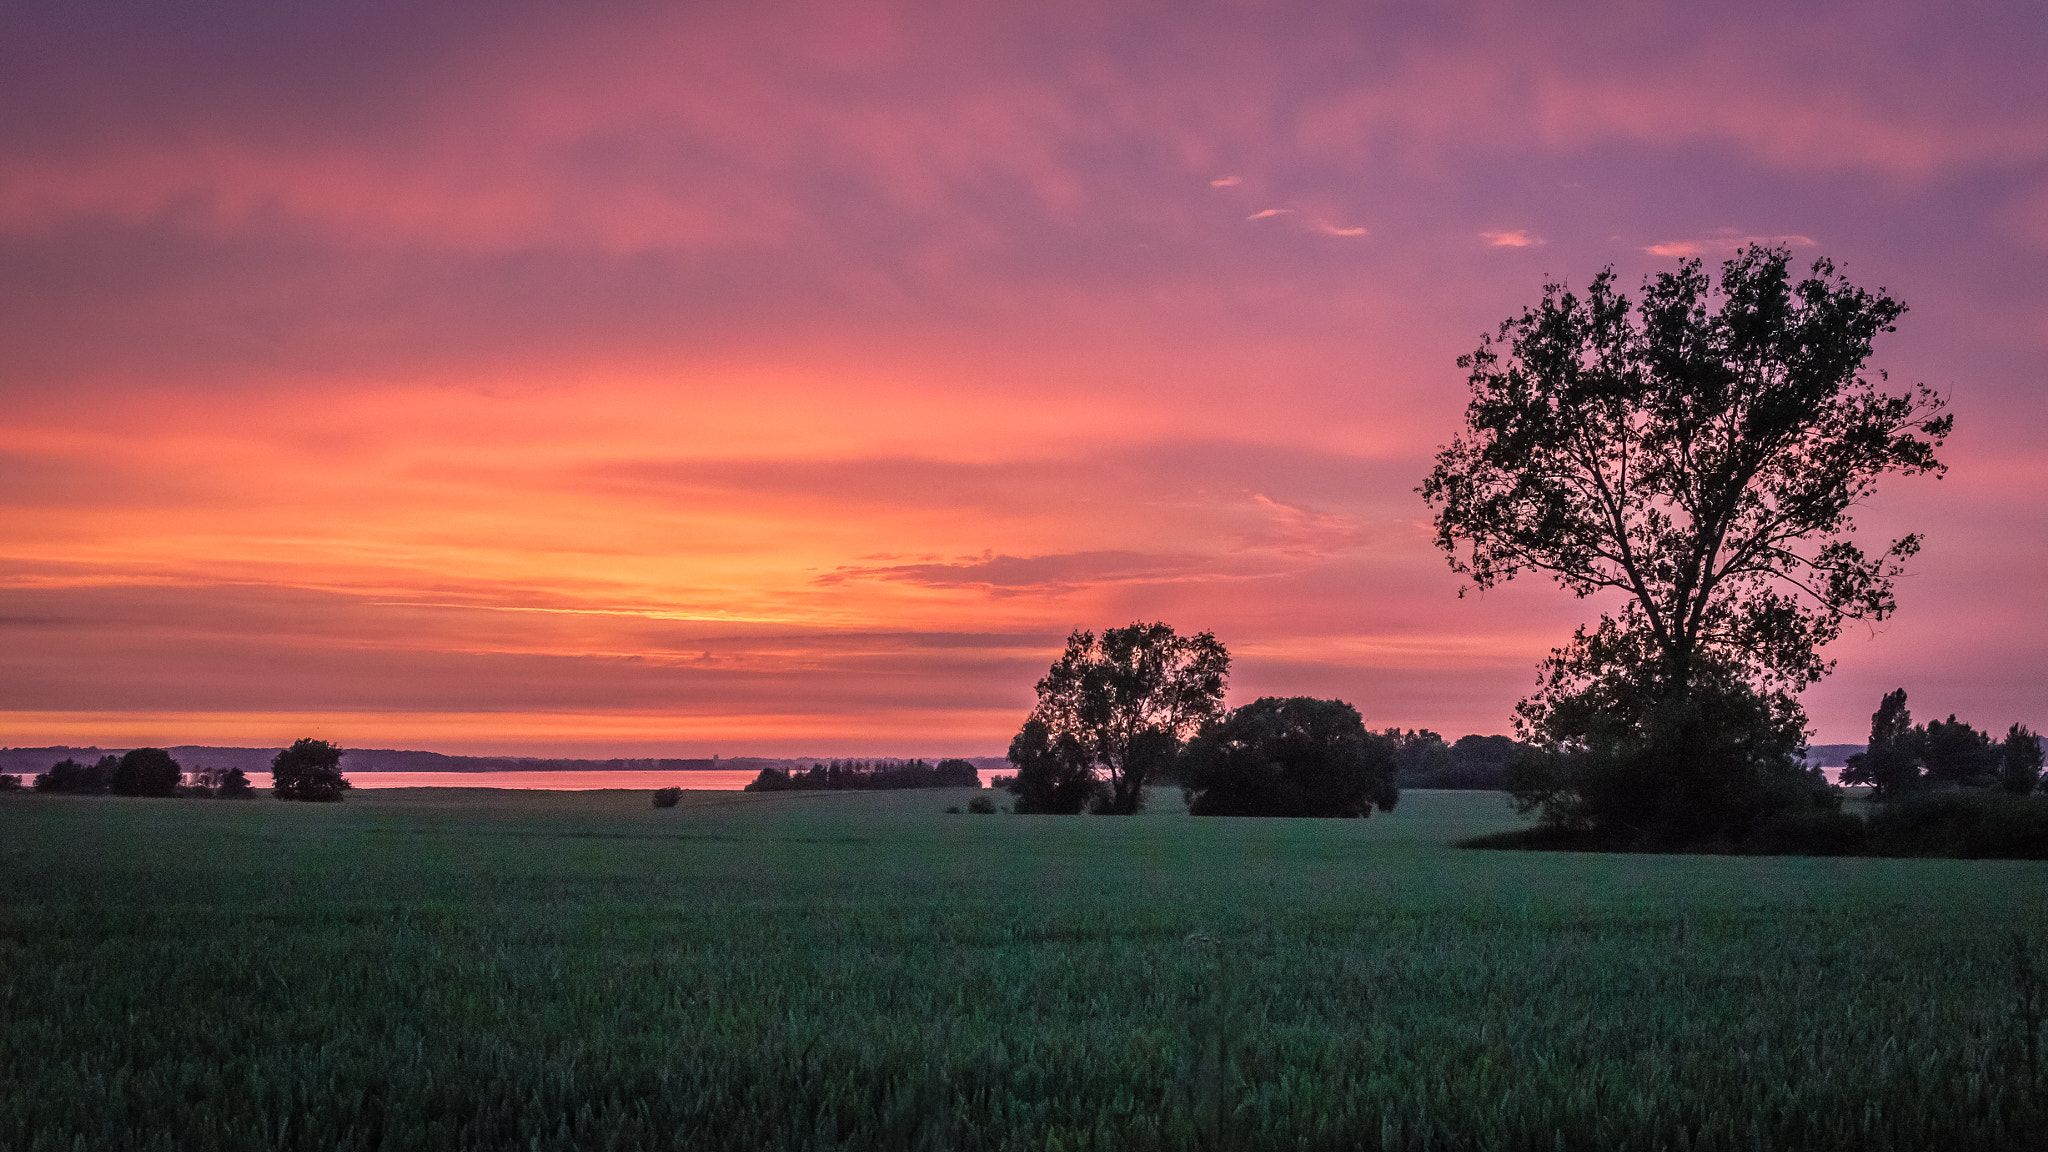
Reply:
x=1053, y=775
x=146, y=772
x=2019, y=760
x=1891, y=763
x=235, y=785
x=1956, y=753
x=1290, y=757
x=668, y=797
x=65, y=775
x=308, y=770
x=1125, y=703
x=957, y=773
x=10, y=783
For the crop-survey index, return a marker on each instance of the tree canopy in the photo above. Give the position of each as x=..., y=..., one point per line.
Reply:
x=1290, y=757
x=1119, y=707
x=1699, y=453
x=308, y=770
x=146, y=772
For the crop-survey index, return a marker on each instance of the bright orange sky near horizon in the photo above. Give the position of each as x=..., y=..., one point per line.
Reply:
x=788, y=379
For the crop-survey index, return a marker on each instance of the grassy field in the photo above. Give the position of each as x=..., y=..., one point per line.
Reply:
x=445, y=969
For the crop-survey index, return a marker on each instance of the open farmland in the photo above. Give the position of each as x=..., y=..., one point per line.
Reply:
x=444, y=969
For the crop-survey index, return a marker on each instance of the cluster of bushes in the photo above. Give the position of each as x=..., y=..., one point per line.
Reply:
x=1955, y=823
x=141, y=772
x=868, y=775
x=308, y=770
x=667, y=797
x=1276, y=756
x=1940, y=789
x=1905, y=758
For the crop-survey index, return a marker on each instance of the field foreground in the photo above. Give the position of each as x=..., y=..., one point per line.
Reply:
x=459, y=969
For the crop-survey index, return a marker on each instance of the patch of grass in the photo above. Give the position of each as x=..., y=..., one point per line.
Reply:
x=445, y=969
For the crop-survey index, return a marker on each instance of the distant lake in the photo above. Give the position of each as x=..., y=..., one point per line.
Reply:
x=709, y=780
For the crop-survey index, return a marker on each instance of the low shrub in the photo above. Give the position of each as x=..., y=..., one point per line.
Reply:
x=10, y=783
x=1811, y=832
x=982, y=806
x=667, y=797
x=1963, y=823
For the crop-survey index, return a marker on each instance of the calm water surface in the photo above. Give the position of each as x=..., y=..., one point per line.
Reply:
x=713, y=780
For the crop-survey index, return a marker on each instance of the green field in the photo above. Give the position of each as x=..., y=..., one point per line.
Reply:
x=451, y=969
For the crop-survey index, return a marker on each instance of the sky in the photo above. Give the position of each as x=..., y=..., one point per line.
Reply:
x=789, y=379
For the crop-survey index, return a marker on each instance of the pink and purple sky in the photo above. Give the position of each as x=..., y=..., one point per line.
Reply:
x=789, y=379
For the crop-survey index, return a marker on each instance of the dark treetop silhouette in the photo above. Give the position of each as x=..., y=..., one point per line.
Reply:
x=1296, y=756
x=1121, y=705
x=1699, y=452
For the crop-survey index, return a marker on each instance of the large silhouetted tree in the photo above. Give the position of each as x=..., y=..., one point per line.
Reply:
x=1698, y=452
x=1119, y=708
x=1290, y=757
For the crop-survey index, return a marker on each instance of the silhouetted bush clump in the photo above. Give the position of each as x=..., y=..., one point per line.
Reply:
x=308, y=770
x=1960, y=823
x=146, y=772
x=667, y=797
x=68, y=775
x=868, y=775
x=1967, y=824
x=1295, y=756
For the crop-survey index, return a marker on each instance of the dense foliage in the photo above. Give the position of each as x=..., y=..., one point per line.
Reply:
x=146, y=772
x=1904, y=758
x=1118, y=709
x=857, y=971
x=308, y=770
x=859, y=775
x=1055, y=777
x=1714, y=765
x=68, y=775
x=1700, y=453
x=1423, y=760
x=1289, y=757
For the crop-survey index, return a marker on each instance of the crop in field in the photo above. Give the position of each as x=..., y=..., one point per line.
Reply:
x=450, y=969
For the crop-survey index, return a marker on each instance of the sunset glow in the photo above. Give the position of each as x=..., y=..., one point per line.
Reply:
x=788, y=380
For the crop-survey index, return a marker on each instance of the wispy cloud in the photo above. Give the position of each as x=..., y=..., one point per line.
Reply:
x=1726, y=240
x=1519, y=238
x=1054, y=572
x=1329, y=229
x=1270, y=213
x=1226, y=182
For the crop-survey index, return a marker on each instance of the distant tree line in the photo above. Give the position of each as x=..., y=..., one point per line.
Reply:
x=1422, y=759
x=308, y=770
x=868, y=775
x=1905, y=759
